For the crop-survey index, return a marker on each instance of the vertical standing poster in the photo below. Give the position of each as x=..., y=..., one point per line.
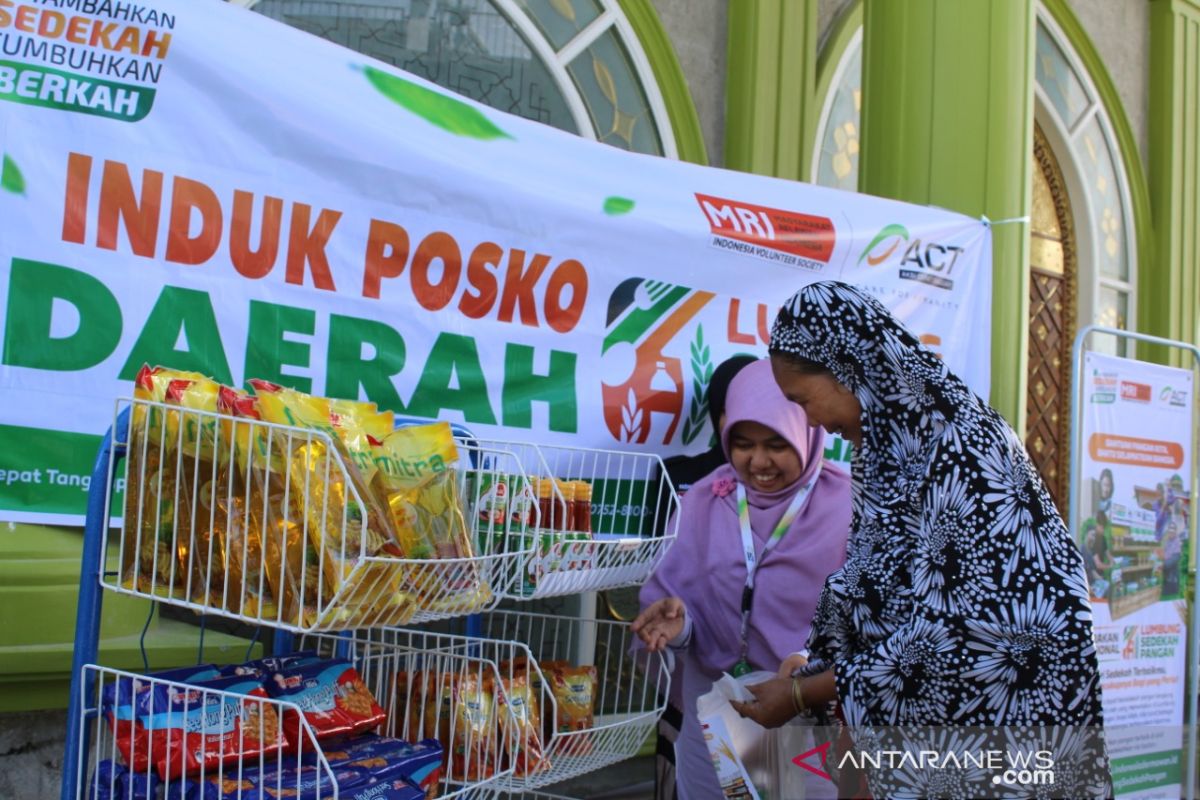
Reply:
x=1136, y=474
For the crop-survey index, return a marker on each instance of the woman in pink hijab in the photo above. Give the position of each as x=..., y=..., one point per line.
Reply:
x=777, y=495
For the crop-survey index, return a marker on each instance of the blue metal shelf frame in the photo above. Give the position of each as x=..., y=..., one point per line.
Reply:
x=87, y=614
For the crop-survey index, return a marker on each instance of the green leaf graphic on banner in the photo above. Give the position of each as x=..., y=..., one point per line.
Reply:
x=617, y=205
x=11, y=179
x=455, y=116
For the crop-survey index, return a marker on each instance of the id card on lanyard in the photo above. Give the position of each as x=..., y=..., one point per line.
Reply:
x=742, y=667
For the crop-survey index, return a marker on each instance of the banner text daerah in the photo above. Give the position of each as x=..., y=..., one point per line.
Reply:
x=441, y=271
x=451, y=373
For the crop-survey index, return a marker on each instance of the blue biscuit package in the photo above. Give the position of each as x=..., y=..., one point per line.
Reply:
x=384, y=758
x=113, y=781
x=120, y=691
x=266, y=667
x=305, y=783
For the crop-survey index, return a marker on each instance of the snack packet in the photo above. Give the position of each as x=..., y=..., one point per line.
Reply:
x=332, y=698
x=575, y=693
x=113, y=781
x=418, y=478
x=522, y=725
x=344, y=524
x=296, y=783
x=121, y=699
x=208, y=722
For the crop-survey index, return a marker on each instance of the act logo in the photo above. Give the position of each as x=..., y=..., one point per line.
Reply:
x=876, y=252
x=931, y=263
x=1173, y=397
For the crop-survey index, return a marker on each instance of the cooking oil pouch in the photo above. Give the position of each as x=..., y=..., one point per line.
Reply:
x=258, y=564
x=418, y=475
x=342, y=526
x=361, y=427
x=149, y=560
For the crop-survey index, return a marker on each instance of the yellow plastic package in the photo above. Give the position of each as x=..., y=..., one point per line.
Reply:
x=329, y=499
x=149, y=562
x=241, y=513
x=417, y=476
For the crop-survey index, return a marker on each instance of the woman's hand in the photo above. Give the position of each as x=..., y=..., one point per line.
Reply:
x=661, y=622
x=792, y=663
x=772, y=705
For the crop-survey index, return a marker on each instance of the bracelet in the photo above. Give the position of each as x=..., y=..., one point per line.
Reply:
x=798, y=697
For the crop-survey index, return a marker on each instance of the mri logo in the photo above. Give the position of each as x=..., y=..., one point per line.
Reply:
x=931, y=263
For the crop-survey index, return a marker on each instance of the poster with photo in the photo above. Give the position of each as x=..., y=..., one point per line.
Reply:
x=1133, y=532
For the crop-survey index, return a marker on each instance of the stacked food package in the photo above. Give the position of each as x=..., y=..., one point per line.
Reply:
x=291, y=508
x=203, y=733
x=550, y=518
x=470, y=715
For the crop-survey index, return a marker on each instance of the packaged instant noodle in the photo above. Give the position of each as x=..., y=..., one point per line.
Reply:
x=331, y=696
x=417, y=477
x=523, y=725
x=329, y=498
x=434, y=693
x=574, y=691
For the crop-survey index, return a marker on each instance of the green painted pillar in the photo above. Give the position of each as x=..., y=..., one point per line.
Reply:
x=770, y=111
x=948, y=121
x=1170, y=283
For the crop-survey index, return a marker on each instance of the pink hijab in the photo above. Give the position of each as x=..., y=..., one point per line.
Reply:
x=705, y=567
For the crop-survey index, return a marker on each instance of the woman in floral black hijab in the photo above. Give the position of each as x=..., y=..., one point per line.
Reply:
x=963, y=600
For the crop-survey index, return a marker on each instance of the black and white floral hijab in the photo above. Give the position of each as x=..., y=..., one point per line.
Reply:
x=963, y=600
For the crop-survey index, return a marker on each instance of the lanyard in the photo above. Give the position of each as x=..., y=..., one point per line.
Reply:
x=753, y=560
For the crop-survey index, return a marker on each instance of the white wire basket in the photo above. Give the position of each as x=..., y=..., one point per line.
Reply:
x=275, y=525
x=596, y=519
x=574, y=735
x=241, y=737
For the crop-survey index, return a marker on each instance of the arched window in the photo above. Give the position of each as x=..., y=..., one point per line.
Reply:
x=1076, y=128
x=573, y=64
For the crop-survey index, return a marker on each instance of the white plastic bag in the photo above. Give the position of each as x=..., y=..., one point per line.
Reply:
x=753, y=762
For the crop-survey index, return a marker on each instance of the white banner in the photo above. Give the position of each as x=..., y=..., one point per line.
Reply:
x=194, y=185
x=1136, y=474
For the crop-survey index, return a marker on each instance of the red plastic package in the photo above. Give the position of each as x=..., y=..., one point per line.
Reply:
x=332, y=698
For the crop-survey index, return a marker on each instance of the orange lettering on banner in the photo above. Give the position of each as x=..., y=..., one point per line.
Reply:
x=437, y=246
x=734, y=335
x=387, y=253
x=118, y=201
x=75, y=204
x=258, y=263
x=77, y=30
x=519, y=284
x=305, y=246
x=482, y=280
x=1113, y=449
x=559, y=317
x=183, y=248
x=52, y=24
